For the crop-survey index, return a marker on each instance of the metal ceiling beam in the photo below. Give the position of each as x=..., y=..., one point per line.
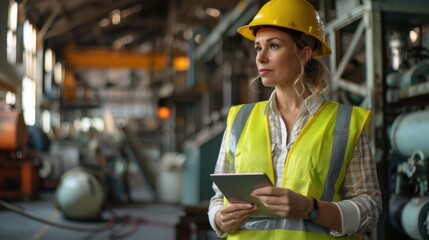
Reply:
x=49, y=22
x=222, y=27
x=61, y=29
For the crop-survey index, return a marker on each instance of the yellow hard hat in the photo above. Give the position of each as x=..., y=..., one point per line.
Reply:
x=298, y=15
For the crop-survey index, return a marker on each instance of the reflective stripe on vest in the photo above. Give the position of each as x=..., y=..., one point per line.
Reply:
x=341, y=139
x=339, y=146
x=237, y=128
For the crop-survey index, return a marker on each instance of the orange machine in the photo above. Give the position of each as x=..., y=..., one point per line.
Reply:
x=13, y=132
x=18, y=174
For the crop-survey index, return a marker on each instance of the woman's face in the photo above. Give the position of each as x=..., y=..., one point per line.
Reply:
x=278, y=64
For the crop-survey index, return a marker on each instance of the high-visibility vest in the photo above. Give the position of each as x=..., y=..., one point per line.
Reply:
x=315, y=165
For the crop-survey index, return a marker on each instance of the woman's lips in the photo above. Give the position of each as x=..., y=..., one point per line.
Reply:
x=263, y=71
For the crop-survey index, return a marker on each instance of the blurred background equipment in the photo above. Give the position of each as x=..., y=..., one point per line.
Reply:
x=415, y=218
x=409, y=132
x=14, y=132
x=409, y=204
x=18, y=172
x=170, y=177
x=81, y=194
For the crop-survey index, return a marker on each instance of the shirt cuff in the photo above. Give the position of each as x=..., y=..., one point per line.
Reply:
x=212, y=212
x=350, y=217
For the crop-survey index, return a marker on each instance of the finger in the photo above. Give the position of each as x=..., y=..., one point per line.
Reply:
x=272, y=200
x=242, y=213
x=231, y=225
x=240, y=216
x=269, y=191
x=234, y=207
x=236, y=223
x=247, y=215
x=226, y=217
x=230, y=216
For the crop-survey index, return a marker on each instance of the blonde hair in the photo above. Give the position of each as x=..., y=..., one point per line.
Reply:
x=313, y=76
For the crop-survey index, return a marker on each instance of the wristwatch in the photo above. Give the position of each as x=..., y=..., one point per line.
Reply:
x=314, y=212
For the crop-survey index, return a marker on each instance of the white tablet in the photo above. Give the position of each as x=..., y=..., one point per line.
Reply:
x=237, y=187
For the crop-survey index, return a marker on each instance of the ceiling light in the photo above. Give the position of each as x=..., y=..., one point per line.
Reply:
x=122, y=41
x=58, y=73
x=10, y=98
x=213, y=12
x=198, y=38
x=104, y=22
x=115, y=15
x=49, y=60
x=199, y=12
x=130, y=11
x=187, y=34
x=181, y=63
x=414, y=35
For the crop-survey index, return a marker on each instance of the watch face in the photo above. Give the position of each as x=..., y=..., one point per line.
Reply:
x=313, y=214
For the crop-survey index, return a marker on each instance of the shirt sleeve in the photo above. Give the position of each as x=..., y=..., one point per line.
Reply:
x=361, y=191
x=216, y=202
x=350, y=218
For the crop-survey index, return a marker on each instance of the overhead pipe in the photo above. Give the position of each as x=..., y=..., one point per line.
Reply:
x=410, y=132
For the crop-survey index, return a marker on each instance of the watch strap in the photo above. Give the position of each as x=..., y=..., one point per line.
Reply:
x=314, y=213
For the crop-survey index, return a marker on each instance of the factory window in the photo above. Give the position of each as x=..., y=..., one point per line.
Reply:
x=12, y=24
x=29, y=81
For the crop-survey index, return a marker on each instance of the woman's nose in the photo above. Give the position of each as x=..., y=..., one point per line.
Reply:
x=261, y=57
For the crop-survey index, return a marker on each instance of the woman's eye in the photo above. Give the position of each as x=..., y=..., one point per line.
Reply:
x=274, y=46
x=258, y=49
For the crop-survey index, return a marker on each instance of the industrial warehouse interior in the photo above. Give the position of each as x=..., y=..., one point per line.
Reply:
x=112, y=112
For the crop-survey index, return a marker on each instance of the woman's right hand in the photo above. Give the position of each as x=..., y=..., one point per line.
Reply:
x=233, y=215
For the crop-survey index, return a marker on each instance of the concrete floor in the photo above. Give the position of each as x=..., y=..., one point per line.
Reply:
x=161, y=220
x=153, y=219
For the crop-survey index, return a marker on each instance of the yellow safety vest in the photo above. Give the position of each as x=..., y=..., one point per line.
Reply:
x=315, y=165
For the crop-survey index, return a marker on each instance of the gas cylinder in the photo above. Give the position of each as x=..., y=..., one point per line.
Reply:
x=415, y=218
x=80, y=195
x=410, y=132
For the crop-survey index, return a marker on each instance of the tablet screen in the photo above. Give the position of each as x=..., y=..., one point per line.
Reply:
x=237, y=187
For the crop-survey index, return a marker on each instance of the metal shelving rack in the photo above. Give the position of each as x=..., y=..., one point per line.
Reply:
x=367, y=22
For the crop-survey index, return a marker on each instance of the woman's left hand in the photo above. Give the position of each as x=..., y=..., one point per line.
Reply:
x=284, y=202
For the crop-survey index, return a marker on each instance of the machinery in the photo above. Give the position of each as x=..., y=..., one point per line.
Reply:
x=407, y=88
x=18, y=174
x=409, y=206
x=415, y=218
x=409, y=132
x=80, y=195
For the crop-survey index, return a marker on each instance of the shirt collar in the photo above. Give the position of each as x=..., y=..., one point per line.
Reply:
x=309, y=105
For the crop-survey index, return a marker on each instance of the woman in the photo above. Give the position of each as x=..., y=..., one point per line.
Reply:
x=316, y=152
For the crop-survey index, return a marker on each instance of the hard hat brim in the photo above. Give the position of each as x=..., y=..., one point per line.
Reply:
x=246, y=32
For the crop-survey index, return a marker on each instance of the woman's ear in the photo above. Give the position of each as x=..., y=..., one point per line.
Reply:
x=306, y=54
